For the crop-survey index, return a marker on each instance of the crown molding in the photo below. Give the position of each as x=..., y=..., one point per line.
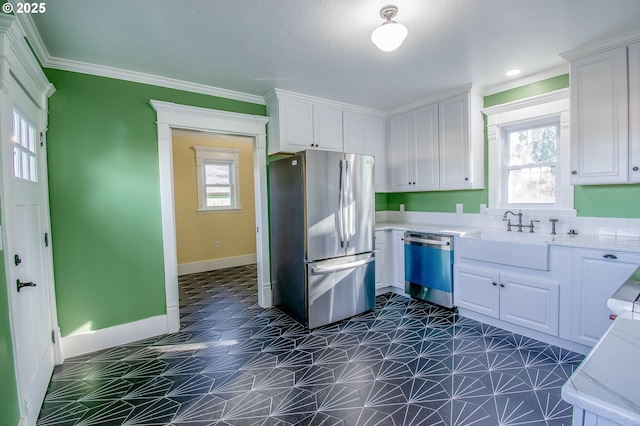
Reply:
x=285, y=94
x=49, y=61
x=20, y=61
x=530, y=79
x=467, y=88
x=602, y=46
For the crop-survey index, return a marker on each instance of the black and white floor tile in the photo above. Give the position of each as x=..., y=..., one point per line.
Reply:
x=406, y=362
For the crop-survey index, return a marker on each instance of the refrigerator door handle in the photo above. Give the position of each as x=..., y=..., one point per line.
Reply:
x=341, y=205
x=347, y=208
x=330, y=269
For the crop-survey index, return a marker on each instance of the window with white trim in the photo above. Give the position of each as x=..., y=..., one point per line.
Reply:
x=25, y=164
x=528, y=153
x=530, y=163
x=217, y=171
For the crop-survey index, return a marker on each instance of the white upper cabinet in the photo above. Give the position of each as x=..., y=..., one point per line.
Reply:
x=605, y=115
x=297, y=123
x=413, y=150
x=366, y=134
x=438, y=147
x=327, y=128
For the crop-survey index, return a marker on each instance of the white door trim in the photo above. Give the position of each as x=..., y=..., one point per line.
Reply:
x=174, y=116
x=17, y=62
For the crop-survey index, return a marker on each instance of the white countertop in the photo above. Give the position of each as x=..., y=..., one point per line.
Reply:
x=607, y=383
x=426, y=227
x=600, y=242
x=625, y=298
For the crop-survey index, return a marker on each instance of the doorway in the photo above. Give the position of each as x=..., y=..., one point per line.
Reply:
x=171, y=117
x=213, y=187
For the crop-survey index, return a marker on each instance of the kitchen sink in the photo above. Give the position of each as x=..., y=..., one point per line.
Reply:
x=522, y=250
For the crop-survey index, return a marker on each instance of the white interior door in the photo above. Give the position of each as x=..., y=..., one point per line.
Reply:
x=26, y=219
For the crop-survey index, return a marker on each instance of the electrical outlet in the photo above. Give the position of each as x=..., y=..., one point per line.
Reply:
x=458, y=208
x=483, y=209
x=401, y=207
x=217, y=244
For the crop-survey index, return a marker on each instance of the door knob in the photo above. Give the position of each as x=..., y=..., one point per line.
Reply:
x=17, y=260
x=19, y=285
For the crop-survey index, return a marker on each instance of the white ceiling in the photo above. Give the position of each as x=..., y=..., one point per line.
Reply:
x=322, y=47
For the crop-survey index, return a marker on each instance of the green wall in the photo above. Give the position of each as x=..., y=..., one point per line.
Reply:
x=105, y=197
x=590, y=201
x=9, y=407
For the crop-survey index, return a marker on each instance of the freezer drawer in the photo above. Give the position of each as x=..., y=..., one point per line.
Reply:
x=340, y=288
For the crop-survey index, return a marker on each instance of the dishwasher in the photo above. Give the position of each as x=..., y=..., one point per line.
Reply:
x=428, y=267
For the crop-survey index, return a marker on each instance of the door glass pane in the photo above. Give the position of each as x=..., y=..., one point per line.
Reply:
x=25, y=165
x=32, y=139
x=218, y=196
x=217, y=174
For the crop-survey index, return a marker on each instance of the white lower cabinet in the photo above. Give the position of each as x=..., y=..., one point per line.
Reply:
x=382, y=261
x=398, y=259
x=523, y=301
x=597, y=275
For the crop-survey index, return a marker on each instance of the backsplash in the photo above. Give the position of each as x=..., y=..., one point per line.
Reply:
x=611, y=227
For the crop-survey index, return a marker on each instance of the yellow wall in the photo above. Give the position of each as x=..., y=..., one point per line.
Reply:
x=196, y=234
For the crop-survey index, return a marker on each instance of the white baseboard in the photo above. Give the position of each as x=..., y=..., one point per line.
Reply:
x=91, y=341
x=213, y=264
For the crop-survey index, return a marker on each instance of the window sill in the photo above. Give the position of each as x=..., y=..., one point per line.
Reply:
x=207, y=211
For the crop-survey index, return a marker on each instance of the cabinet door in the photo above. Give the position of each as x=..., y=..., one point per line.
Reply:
x=376, y=144
x=477, y=290
x=365, y=134
x=354, y=132
x=599, y=117
x=597, y=276
x=400, y=152
x=426, y=148
x=530, y=303
x=381, y=264
x=327, y=128
x=455, y=170
x=634, y=112
x=398, y=259
x=296, y=125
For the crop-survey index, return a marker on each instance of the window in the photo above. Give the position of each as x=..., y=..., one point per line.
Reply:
x=25, y=165
x=531, y=163
x=217, y=171
x=528, y=147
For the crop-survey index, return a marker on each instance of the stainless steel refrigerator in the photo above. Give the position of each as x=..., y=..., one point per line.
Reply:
x=322, y=235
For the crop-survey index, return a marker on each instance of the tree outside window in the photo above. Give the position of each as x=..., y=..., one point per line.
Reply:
x=531, y=164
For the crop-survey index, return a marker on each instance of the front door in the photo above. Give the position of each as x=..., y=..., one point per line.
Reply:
x=26, y=254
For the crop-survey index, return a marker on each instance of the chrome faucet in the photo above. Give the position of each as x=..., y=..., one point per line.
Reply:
x=520, y=225
x=509, y=224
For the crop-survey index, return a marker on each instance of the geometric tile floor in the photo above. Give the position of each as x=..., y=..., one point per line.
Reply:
x=406, y=362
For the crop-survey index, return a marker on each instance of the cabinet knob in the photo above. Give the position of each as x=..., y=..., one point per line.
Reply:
x=466, y=179
x=635, y=168
x=610, y=256
x=573, y=172
x=501, y=285
x=494, y=283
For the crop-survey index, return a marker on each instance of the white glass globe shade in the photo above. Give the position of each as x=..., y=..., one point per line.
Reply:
x=389, y=36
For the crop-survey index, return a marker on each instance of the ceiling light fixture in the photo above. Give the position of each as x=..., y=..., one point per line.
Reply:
x=390, y=35
x=513, y=72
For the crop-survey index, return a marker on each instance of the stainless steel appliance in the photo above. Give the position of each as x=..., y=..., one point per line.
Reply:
x=428, y=267
x=322, y=235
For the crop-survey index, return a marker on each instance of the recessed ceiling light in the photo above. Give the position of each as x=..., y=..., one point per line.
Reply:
x=513, y=72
